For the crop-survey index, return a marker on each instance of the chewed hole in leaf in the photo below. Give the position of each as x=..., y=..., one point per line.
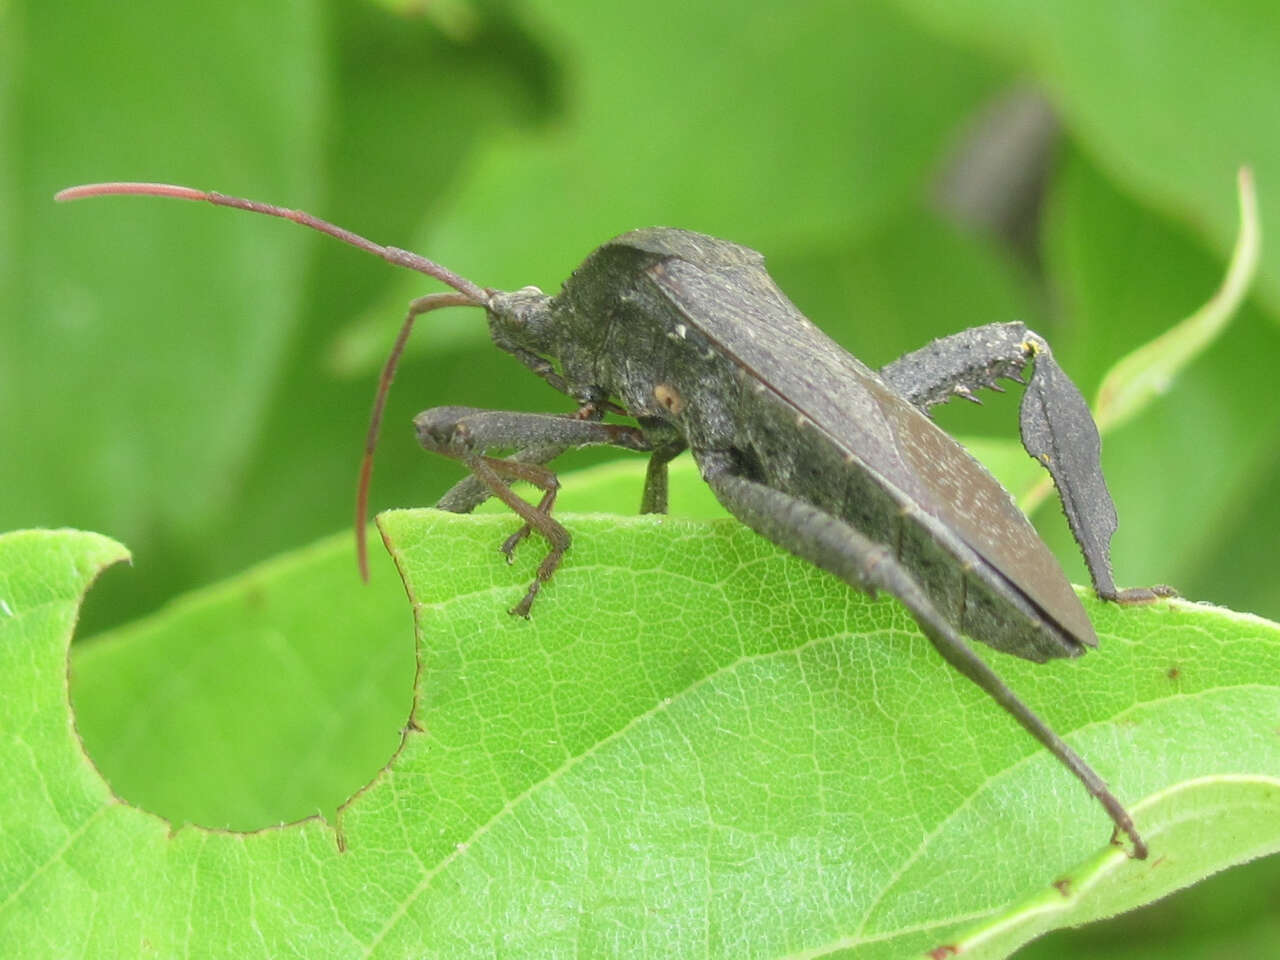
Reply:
x=262, y=700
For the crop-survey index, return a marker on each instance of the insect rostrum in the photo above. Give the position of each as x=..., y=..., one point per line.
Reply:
x=688, y=341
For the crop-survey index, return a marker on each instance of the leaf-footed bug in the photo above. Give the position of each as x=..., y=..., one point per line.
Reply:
x=688, y=337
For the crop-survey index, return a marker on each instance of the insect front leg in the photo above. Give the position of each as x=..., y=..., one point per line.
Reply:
x=830, y=543
x=1056, y=425
x=468, y=493
x=465, y=434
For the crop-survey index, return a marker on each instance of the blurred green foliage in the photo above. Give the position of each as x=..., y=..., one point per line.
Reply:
x=195, y=382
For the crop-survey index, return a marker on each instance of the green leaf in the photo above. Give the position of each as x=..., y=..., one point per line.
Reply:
x=1140, y=376
x=1169, y=98
x=52, y=794
x=145, y=382
x=696, y=746
x=686, y=116
x=1231, y=915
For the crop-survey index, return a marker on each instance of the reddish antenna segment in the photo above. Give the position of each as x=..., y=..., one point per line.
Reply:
x=468, y=295
x=432, y=301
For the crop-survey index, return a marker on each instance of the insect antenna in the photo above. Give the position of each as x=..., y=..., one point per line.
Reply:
x=432, y=301
x=468, y=294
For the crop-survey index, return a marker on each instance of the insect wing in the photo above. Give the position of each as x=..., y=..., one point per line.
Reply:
x=755, y=323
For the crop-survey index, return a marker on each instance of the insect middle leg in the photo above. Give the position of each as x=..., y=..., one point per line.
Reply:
x=466, y=433
x=1056, y=426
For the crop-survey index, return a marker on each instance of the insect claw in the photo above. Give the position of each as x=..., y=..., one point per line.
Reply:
x=509, y=545
x=1138, y=595
x=522, y=608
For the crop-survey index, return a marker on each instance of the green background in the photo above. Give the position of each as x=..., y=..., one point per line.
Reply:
x=195, y=383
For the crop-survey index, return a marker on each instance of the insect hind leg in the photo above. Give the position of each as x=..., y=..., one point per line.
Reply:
x=1056, y=426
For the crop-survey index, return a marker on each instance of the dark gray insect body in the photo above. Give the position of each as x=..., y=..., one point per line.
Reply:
x=688, y=337
x=764, y=395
